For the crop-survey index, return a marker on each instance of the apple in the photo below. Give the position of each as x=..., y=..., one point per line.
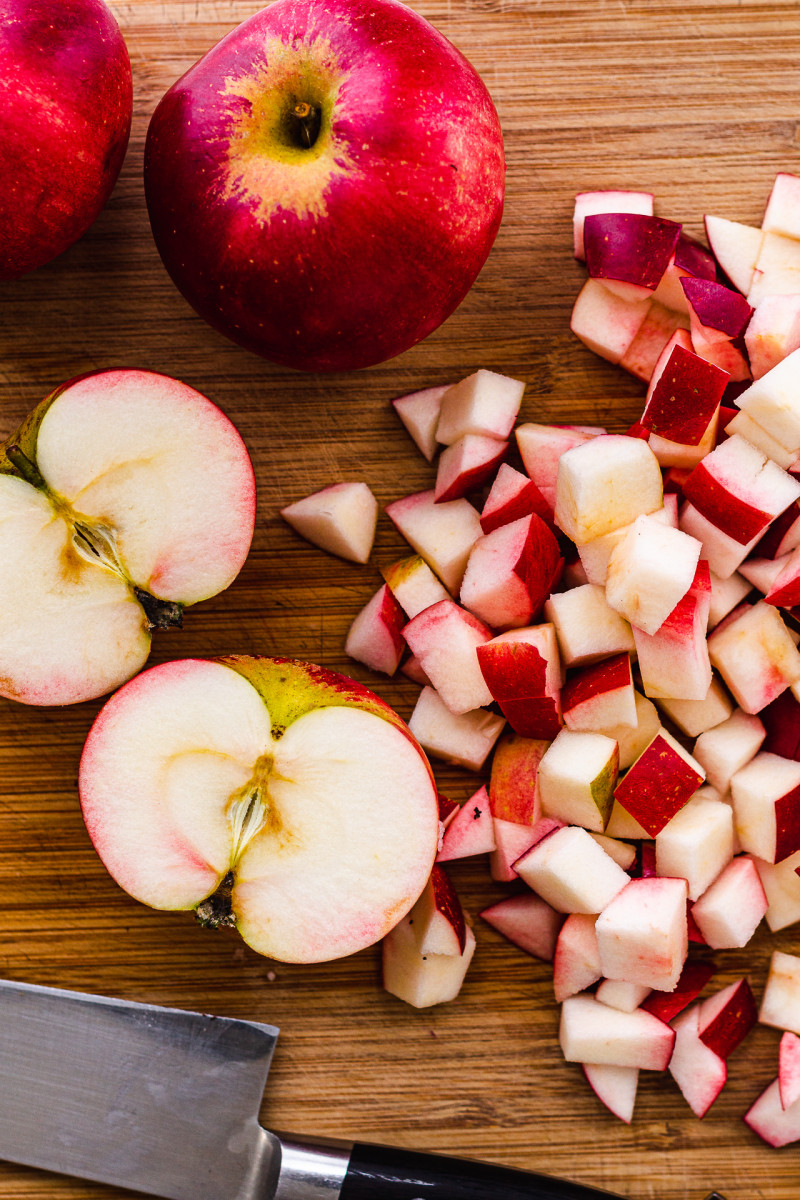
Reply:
x=264, y=793
x=325, y=184
x=124, y=496
x=66, y=97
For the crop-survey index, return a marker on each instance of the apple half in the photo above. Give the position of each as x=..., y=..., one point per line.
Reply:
x=267, y=794
x=124, y=496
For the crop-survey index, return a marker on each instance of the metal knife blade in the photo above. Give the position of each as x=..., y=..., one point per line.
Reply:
x=153, y=1099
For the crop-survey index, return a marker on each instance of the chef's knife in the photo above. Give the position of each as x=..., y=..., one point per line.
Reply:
x=166, y=1102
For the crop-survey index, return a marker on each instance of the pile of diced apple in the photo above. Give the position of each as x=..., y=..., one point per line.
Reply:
x=606, y=624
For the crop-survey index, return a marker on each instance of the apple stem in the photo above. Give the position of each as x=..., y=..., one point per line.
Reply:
x=307, y=121
x=27, y=469
x=161, y=614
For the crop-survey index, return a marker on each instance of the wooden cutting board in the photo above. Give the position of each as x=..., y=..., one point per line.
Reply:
x=696, y=102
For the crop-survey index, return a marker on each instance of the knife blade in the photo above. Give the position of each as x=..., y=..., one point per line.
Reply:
x=165, y=1102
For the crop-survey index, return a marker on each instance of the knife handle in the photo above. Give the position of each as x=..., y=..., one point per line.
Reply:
x=378, y=1171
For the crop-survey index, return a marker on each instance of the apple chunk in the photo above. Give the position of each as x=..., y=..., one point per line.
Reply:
x=124, y=496
x=268, y=794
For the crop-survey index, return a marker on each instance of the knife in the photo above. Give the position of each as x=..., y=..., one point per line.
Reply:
x=165, y=1102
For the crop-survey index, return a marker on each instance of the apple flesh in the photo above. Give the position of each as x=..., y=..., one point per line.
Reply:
x=267, y=794
x=123, y=497
x=325, y=184
x=66, y=96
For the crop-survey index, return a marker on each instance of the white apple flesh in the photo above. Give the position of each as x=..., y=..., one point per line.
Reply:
x=124, y=496
x=268, y=794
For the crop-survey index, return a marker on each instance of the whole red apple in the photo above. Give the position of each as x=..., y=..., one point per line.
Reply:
x=325, y=184
x=66, y=97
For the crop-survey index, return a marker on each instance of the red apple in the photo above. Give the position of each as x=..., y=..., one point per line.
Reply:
x=65, y=115
x=325, y=184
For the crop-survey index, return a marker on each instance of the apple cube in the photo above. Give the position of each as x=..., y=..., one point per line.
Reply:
x=699, y=1072
x=587, y=203
x=437, y=917
x=484, y=403
x=623, y=853
x=605, y=322
x=730, y=910
x=758, y=436
x=591, y=1032
x=723, y=553
x=726, y=595
x=422, y=980
x=576, y=960
x=755, y=654
x=781, y=721
x=514, y=782
x=511, y=496
x=511, y=572
x=780, y=1003
x=619, y=993
x=340, y=519
x=693, y=978
x=571, y=872
x=414, y=585
x=642, y=933
x=773, y=332
x=782, y=535
x=375, y=636
x=629, y=252
x=728, y=747
x=622, y=825
x=443, y=638
x=576, y=778
x=586, y=626
x=771, y=401
x=697, y=844
x=600, y=696
x=464, y=740
x=659, y=783
x=511, y=842
x=614, y=1086
x=774, y=1124
x=726, y=1018
x=528, y=922
x=690, y=260
x=443, y=534
x=694, y=717
x=781, y=884
x=419, y=412
x=595, y=555
x=471, y=830
x=684, y=395
x=789, y=1069
x=650, y=570
x=766, y=801
x=467, y=465
x=522, y=670
x=736, y=248
x=606, y=483
x=716, y=311
x=782, y=214
x=777, y=267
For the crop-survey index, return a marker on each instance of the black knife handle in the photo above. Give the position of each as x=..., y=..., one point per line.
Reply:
x=381, y=1173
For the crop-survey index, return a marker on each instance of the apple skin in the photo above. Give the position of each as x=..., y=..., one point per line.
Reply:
x=344, y=254
x=66, y=97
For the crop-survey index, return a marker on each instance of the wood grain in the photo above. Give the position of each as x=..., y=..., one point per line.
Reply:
x=696, y=102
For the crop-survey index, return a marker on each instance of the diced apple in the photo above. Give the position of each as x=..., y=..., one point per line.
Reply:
x=576, y=778
x=600, y=696
x=587, y=628
x=659, y=783
x=541, y=448
x=511, y=572
x=471, y=830
x=755, y=654
x=653, y=336
x=614, y=1086
x=725, y=1018
x=623, y=853
x=774, y=1124
x=437, y=917
x=576, y=960
x=699, y=1072
x=528, y=922
x=522, y=670
x=604, y=484
x=649, y=571
x=781, y=884
x=618, y=993
x=632, y=742
x=467, y=465
x=605, y=322
x=730, y=910
x=780, y=1002
x=422, y=980
x=419, y=412
x=772, y=402
x=684, y=395
x=766, y=802
x=414, y=585
x=375, y=637
x=739, y=489
x=728, y=747
x=443, y=638
x=484, y=403
x=694, y=717
x=443, y=534
x=642, y=933
x=773, y=332
x=594, y=1033
x=629, y=252
x=514, y=782
x=610, y=201
x=789, y=1069
x=513, y=495
x=736, y=248
x=465, y=740
x=340, y=519
x=571, y=872
x=697, y=844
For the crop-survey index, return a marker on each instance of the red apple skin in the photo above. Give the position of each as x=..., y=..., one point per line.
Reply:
x=657, y=785
x=66, y=97
x=344, y=255
x=666, y=1005
x=684, y=398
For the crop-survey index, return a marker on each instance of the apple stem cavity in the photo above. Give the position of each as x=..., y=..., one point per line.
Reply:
x=161, y=614
x=216, y=912
x=27, y=469
x=306, y=123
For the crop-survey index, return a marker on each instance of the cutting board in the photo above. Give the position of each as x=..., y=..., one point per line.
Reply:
x=696, y=102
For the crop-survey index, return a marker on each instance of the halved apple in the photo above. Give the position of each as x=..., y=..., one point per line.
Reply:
x=267, y=794
x=124, y=496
